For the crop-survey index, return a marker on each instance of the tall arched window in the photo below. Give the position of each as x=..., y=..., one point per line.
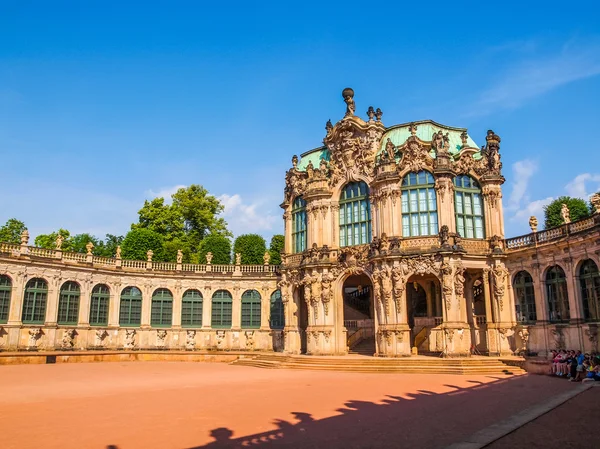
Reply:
x=99, y=305
x=556, y=294
x=298, y=225
x=191, y=309
x=468, y=206
x=161, y=314
x=277, y=317
x=524, y=297
x=355, y=215
x=221, y=309
x=250, y=309
x=419, y=205
x=68, y=303
x=5, y=290
x=589, y=281
x=34, y=302
x=130, y=312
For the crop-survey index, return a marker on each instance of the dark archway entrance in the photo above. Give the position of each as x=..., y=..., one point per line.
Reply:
x=424, y=310
x=302, y=321
x=359, y=315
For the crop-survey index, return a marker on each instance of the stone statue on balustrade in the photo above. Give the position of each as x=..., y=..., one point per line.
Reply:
x=89, y=248
x=59, y=241
x=209, y=257
x=25, y=237
x=238, y=258
x=149, y=255
x=179, y=256
x=118, y=255
x=566, y=214
x=533, y=223
x=266, y=258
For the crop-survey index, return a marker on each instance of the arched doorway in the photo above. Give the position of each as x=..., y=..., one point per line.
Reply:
x=359, y=316
x=424, y=311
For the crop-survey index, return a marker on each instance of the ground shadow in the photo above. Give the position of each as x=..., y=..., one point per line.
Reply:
x=424, y=419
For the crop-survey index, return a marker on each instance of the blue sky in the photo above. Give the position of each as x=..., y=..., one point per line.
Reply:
x=105, y=104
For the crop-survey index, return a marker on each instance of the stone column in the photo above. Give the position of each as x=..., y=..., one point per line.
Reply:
x=236, y=309
x=445, y=202
x=265, y=309
x=492, y=206
x=541, y=307
x=206, y=307
x=16, y=298
x=146, y=305
x=114, y=306
x=287, y=232
x=335, y=224
x=52, y=300
x=177, y=300
x=85, y=298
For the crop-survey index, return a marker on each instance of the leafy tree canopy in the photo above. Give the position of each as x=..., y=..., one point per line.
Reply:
x=578, y=209
x=48, y=241
x=12, y=230
x=252, y=247
x=137, y=242
x=276, y=248
x=77, y=243
x=190, y=217
x=218, y=245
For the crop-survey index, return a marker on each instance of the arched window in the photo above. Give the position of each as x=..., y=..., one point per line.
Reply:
x=298, y=225
x=99, y=305
x=250, y=309
x=355, y=215
x=34, y=302
x=191, y=309
x=130, y=313
x=162, y=308
x=68, y=303
x=556, y=294
x=468, y=206
x=419, y=205
x=524, y=297
x=589, y=281
x=221, y=309
x=277, y=317
x=5, y=290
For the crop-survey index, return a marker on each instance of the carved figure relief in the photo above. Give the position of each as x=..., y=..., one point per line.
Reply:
x=249, y=340
x=161, y=338
x=190, y=340
x=59, y=242
x=129, y=339
x=533, y=223
x=459, y=280
x=99, y=337
x=565, y=213
x=68, y=339
x=499, y=273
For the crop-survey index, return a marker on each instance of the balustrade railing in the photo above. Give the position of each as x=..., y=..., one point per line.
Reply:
x=41, y=252
x=136, y=264
x=109, y=262
x=164, y=266
x=9, y=247
x=480, y=320
x=76, y=257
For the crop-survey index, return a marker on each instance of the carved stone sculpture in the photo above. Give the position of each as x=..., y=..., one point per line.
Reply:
x=179, y=256
x=34, y=334
x=25, y=237
x=266, y=258
x=118, y=255
x=447, y=283
x=209, y=257
x=238, y=259
x=161, y=338
x=99, y=337
x=190, y=340
x=459, y=280
x=89, y=247
x=59, y=242
x=500, y=274
x=595, y=200
x=559, y=338
x=348, y=95
x=565, y=213
x=524, y=336
x=533, y=223
x=129, y=339
x=220, y=336
x=250, y=340
x=149, y=255
x=326, y=292
x=68, y=339
x=444, y=236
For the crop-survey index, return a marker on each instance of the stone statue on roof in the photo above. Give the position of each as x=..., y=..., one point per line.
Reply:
x=348, y=95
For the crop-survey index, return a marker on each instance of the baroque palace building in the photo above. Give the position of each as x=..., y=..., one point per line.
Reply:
x=394, y=245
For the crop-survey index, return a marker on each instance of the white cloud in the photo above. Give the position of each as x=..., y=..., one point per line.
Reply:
x=533, y=208
x=522, y=172
x=578, y=187
x=243, y=218
x=164, y=192
x=536, y=76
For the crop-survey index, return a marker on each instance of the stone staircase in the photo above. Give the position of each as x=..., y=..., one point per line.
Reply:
x=365, y=347
x=361, y=364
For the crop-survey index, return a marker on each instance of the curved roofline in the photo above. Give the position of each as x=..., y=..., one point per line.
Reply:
x=417, y=122
x=322, y=147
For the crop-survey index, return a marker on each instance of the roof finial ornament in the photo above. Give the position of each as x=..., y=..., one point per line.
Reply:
x=294, y=161
x=348, y=95
x=378, y=114
x=328, y=126
x=371, y=113
x=463, y=138
x=412, y=128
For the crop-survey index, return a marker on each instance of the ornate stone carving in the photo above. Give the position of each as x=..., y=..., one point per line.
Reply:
x=399, y=336
x=34, y=335
x=118, y=252
x=444, y=236
x=149, y=255
x=209, y=257
x=491, y=193
x=559, y=337
x=449, y=334
x=190, y=340
x=99, y=337
x=68, y=339
x=447, y=284
x=266, y=258
x=220, y=339
x=565, y=213
x=129, y=339
x=496, y=243
x=415, y=156
x=443, y=186
x=533, y=223
x=238, y=259
x=422, y=265
x=592, y=334
x=459, y=280
x=399, y=276
x=89, y=247
x=25, y=237
x=326, y=292
x=595, y=200
x=348, y=95
x=161, y=338
x=326, y=335
x=500, y=274
x=524, y=336
x=295, y=183
x=250, y=340
x=179, y=256
x=59, y=241
x=386, y=288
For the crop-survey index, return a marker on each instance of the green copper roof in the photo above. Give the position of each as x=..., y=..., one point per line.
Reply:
x=425, y=130
x=398, y=135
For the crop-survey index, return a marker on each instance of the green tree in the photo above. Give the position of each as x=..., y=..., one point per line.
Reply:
x=171, y=248
x=79, y=241
x=137, y=242
x=252, y=247
x=578, y=209
x=48, y=241
x=218, y=245
x=190, y=217
x=12, y=230
x=276, y=248
x=108, y=247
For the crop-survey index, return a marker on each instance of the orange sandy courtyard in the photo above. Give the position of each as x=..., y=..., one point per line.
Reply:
x=196, y=405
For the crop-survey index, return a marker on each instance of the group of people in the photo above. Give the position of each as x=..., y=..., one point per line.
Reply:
x=576, y=366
